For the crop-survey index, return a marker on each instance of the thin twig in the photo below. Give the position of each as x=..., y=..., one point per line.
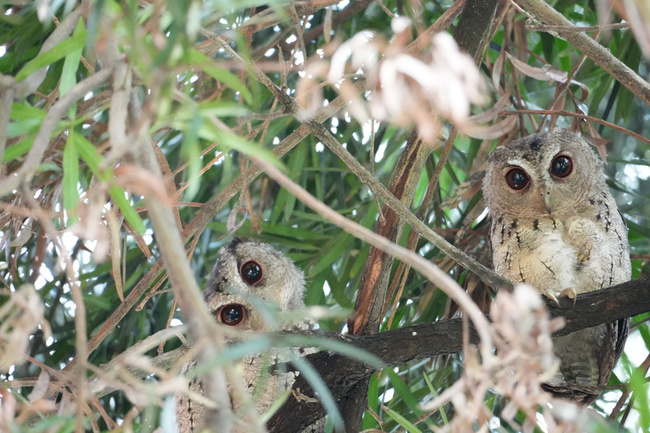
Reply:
x=596, y=52
x=601, y=27
x=579, y=116
x=419, y=263
x=81, y=332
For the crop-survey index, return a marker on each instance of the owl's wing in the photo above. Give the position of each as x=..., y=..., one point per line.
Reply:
x=622, y=331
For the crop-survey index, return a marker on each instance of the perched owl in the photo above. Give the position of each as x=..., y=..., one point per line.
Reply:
x=248, y=282
x=556, y=227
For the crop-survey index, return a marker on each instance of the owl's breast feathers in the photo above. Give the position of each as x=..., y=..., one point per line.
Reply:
x=583, y=250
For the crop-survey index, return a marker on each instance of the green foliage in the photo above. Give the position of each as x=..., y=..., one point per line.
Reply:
x=206, y=114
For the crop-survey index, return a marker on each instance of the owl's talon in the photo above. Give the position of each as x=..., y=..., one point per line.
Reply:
x=583, y=256
x=569, y=293
x=552, y=297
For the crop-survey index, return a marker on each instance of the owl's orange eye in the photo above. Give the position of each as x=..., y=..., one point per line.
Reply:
x=231, y=314
x=251, y=272
x=517, y=179
x=561, y=166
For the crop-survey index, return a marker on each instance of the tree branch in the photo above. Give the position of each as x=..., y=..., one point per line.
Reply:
x=443, y=337
x=592, y=49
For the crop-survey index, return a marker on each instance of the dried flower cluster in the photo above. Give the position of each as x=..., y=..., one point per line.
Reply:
x=20, y=316
x=402, y=88
x=523, y=360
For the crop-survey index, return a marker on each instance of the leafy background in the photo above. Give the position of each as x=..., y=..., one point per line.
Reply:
x=206, y=114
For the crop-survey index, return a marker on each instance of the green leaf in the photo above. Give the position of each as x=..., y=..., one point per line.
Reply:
x=209, y=131
x=639, y=385
x=210, y=67
x=221, y=109
x=25, y=111
x=71, y=65
x=70, y=174
x=19, y=148
x=432, y=391
x=89, y=154
x=75, y=42
x=324, y=394
x=130, y=214
x=404, y=392
x=402, y=421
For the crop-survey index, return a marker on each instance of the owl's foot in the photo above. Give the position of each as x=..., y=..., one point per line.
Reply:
x=568, y=293
x=583, y=255
x=549, y=294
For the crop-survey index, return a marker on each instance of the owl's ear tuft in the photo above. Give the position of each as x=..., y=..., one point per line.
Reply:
x=495, y=153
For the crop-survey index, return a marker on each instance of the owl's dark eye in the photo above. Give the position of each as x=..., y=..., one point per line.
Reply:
x=561, y=166
x=517, y=179
x=231, y=314
x=251, y=272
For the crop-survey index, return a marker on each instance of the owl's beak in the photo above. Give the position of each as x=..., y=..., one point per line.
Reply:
x=548, y=202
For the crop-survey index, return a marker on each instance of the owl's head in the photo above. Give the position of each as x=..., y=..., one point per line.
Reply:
x=546, y=174
x=249, y=281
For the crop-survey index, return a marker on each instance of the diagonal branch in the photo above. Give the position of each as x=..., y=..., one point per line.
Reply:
x=592, y=49
x=443, y=337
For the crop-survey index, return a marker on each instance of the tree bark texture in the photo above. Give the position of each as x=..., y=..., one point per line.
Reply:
x=443, y=337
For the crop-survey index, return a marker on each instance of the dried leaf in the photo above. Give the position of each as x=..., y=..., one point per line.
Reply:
x=492, y=112
x=545, y=73
x=142, y=182
x=585, y=90
x=232, y=225
x=40, y=388
x=491, y=132
x=7, y=408
x=594, y=138
x=327, y=25
x=114, y=227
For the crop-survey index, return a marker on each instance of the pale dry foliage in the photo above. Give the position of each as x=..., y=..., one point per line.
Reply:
x=403, y=88
x=523, y=360
x=377, y=78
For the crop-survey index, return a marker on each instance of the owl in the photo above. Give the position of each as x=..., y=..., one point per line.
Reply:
x=250, y=280
x=556, y=227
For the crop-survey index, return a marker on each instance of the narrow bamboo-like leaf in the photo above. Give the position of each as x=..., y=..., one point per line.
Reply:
x=404, y=392
x=18, y=149
x=90, y=156
x=71, y=64
x=75, y=42
x=639, y=385
x=212, y=133
x=432, y=390
x=345, y=349
x=331, y=252
x=401, y=420
x=319, y=386
x=70, y=175
x=129, y=212
x=24, y=111
x=191, y=152
x=209, y=66
x=221, y=109
x=23, y=127
x=296, y=164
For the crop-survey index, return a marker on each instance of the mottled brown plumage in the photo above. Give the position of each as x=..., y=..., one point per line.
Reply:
x=556, y=227
x=250, y=280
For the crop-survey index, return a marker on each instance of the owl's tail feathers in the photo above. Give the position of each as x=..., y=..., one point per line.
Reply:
x=581, y=394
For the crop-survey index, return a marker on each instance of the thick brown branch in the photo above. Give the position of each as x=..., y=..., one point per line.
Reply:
x=440, y=338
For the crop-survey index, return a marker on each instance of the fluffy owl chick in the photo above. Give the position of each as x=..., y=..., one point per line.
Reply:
x=556, y=227
x=248, y=282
